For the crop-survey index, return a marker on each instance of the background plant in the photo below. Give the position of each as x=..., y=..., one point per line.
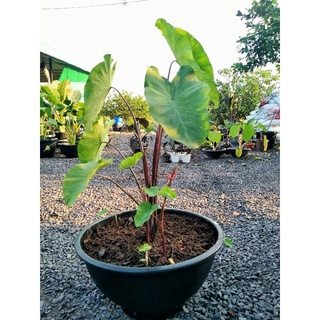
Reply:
x=261, y=45
x=115, y=106
x=47, y=120
x=62, y=99
x=241, y=92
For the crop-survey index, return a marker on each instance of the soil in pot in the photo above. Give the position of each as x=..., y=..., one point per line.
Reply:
x=124, y=239
x=250, y=145
x=214, y=154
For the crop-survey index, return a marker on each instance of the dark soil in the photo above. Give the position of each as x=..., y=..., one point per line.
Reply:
x=118, y=242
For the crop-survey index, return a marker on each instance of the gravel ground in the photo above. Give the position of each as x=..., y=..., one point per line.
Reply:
x=242, y=195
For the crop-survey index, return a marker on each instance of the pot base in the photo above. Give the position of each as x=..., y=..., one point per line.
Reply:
x=149, y=316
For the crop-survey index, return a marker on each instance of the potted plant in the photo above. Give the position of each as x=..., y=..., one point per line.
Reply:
x=73, y=126
x=243, y=132
x=60, y=97
x=48, y=139
x=215, y=147
x=153, y=275
x=134, y=140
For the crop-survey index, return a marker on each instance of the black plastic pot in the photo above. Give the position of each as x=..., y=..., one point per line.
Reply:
x=214, y=154
x=150, y=293
x=244, y=153
x=271, y=136
x=48, y=146
x=166, y=157
x=69, y=150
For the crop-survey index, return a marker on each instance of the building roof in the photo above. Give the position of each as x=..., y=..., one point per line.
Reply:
x=56, y=61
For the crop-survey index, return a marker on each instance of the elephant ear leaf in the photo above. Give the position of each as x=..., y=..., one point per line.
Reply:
x=185, y=99
x=78, y=178
x=188, y=51
x=93, y=142
x=97, y=88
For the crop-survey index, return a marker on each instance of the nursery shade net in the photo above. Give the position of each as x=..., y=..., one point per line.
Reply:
x=73, y=75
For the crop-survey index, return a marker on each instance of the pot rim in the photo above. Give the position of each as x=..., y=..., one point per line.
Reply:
x=111, y=267
x=211, y=150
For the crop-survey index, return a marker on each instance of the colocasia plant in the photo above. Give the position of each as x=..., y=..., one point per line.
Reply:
x=179, y=109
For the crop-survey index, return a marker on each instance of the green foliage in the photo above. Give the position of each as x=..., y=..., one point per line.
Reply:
x=244, y=132
x=214, y=138
x=178, y=99
x=65, y=105
x=130, y=161
x=145, y=247
x=178, y=108
x=228, y=242
x=261, y=45
x=240, y=93
x=115, y=106
x=143, y=214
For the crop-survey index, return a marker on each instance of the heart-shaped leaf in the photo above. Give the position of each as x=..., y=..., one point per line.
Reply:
x=130, y=161
x=188, y=51
x=180, y=106
x=143, y=214
x=93, y=142
x=167, y=192
x=97, y=88
x=78, y=178
x=152, y=191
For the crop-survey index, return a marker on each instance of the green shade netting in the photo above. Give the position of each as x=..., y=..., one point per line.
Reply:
x=73, y=75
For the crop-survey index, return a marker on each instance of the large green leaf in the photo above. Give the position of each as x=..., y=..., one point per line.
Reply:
x=167, y=192
x=92, y=143
x=179, y=106
x=78, y=178
x=214, y=136
x=152, y=191
x=97, y=88
x=188, y=51
x=234, y=130
x=130, y=161
x=248, y=132
x=144, y=211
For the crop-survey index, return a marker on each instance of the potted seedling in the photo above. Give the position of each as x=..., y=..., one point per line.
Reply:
x=243, y=132
x=74, y=128
x=215, y=142
x=154, y=276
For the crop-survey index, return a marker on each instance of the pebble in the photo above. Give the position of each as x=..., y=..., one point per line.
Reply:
x=244, y=200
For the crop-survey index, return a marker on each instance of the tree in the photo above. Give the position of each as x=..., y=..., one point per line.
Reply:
x=240, y=92
x=261, y=45
x=114, y=106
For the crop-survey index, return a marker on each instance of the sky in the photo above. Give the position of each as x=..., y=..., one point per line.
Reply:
x=128, y=32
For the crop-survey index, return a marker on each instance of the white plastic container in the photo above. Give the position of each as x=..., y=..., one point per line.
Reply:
x=185, y=158
x=175, y=157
